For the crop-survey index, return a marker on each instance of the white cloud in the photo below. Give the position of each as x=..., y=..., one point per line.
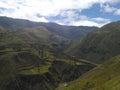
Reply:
x=28, y=9
x=43, y=19
x=113, y=10
x=46, y=7
x=109, y=9
x=73, y=18
x=49, y=7
x=86, y=23
x=117, y=12
x=81, y=20
x=100, y=20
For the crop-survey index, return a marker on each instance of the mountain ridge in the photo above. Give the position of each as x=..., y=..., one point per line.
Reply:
x=61, y=30
x=98, y=45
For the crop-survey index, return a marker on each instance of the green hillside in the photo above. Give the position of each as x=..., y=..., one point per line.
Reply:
x=31, y=55
x=69, y=32
x=23, y=33
x=99, y=45
x=103, y=77
x=39, y=34
x=44, y=56
x=18, y=70
x=32, y=38
x=11, y=63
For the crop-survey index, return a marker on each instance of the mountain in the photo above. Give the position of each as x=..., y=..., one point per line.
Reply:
x=103, y=77
x=99, y=45
x=19, y=33
x=16, y=33
x=69, y=32
x=31, y=54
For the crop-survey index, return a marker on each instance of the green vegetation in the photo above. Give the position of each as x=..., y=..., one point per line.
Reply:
x=69, y=32
x=99, y=45
x=42, y=69
x=103, y=77
x=32, y=52
x=41, y=56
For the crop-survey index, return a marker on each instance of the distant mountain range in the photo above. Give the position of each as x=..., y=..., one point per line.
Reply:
x=69, y=32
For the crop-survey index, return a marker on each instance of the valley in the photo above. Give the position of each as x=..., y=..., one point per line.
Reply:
x=49, y=56
x=30, y=50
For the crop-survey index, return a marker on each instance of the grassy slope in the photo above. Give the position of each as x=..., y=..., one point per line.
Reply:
x=12, y=63
x=30, y=38
x=40, y=34
x=22, y=62
x=23, y=31
x=69, y=32
x=99, y=45
x=42, y=69
x=103, y=77
x=14, y=57
x=19, y=60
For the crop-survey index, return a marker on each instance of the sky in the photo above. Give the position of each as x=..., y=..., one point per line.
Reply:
x=64, y=12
